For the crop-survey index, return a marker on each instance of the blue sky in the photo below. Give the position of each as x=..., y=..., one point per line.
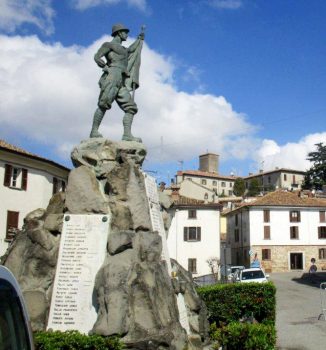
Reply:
x=244, y=79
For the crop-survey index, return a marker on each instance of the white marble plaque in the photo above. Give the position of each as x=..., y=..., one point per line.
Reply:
x=156, y=216
x=81, y=254
x=183, y=315
x=158, y=225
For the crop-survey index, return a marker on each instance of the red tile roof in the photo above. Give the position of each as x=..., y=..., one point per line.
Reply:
x=285, y=199
x=14, y=149
x=186, y=202
x=205, y=174
x=281, y=170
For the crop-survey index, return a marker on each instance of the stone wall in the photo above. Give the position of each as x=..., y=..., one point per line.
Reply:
x=280, y=257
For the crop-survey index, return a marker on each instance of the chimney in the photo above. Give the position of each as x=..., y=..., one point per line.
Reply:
x=250, y=174
x=209, y=162
x=261, y=171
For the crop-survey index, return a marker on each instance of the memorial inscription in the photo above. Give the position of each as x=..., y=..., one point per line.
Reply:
x=156, y=217
x=157, y=225
x=81, y=254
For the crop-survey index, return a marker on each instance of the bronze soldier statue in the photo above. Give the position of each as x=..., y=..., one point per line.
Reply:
x=119, y=78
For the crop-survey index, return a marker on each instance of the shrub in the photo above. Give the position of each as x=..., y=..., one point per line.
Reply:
x=227, y=303
x=245, y=336
x=71, y=340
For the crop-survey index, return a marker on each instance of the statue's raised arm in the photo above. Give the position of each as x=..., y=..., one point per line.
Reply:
x=120, y=76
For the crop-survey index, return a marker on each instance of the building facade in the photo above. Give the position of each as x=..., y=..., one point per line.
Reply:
x=27, y=182
x=285, y=230
x=194, y=234
x=282, y=178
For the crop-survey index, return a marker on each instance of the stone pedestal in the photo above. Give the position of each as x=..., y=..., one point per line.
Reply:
x=133, y=294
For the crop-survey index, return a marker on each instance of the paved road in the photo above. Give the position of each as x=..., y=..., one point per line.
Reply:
x=297, y=310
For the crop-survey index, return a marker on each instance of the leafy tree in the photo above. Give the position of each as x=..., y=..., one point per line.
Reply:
x=316, y=175
x=254, y=187
x=239, y=187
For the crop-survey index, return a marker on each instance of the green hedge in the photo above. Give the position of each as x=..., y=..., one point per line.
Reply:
x=73, y=340
x=245, y=336
x=227, y=303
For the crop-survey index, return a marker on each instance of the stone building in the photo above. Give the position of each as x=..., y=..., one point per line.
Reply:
x=282, y=178
x=27, y=182
x=284, y=229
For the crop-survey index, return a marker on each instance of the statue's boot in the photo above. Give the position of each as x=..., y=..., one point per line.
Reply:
x=127, y=136
x=98, y=116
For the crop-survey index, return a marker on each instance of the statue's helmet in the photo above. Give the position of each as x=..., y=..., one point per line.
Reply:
x=118, y=27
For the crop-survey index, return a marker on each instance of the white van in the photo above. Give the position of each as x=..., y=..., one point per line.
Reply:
x=15, y=329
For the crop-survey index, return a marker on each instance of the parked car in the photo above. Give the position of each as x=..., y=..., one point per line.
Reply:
x=250, y=275
x=15, y=330
x=227, y=271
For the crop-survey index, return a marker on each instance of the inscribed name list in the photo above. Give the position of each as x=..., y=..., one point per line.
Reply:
x=156, y=216
x=81, y=254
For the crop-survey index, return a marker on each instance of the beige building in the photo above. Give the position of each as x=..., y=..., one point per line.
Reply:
x=282, y=178
x=284, y=229
x=27, y=182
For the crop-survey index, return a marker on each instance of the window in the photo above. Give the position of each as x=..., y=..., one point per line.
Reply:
x=266, y=254
x=267, y=232
x=269, y=179
x=294, y=216
x=192, y=234
x=223, y=184
x=322, y=253
x=236, y=218
x=322, y=232
x=15, y=177
x=58, y=186
x=266, y=215
x=203, y=182
x=230, y=184
x=322, y=217
x=206, y=196
x=214, y=183
x=285, y=177
x=192, y=265
x=12, y=224
x=230, y=193
x=236, y=235
x=294, y=232
x=192, y=214
x=223, y=193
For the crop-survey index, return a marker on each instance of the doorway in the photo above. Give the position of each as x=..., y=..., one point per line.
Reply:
x=296, y=261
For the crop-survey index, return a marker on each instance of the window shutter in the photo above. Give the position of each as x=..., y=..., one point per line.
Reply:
x=55, y=185
x=322, y=217
x=319, y=232
x=24, y=179
x=7, y=178
x=12, y=223
x=299, y=216
x=63, y=186
x=198, y=233
x=185, y=233
x=290, y=216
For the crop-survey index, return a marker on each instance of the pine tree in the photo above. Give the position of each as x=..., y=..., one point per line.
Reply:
x=239, y=187
x=316, y=175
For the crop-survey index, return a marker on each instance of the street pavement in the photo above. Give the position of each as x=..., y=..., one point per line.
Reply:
x=298, y=306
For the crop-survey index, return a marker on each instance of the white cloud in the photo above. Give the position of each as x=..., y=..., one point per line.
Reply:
x=49, y=94
x=291, y=155
x=85, y=4
x=14, y=13
x=226, y=4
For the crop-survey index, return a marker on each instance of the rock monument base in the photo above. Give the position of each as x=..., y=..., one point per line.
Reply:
x=134, y=295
